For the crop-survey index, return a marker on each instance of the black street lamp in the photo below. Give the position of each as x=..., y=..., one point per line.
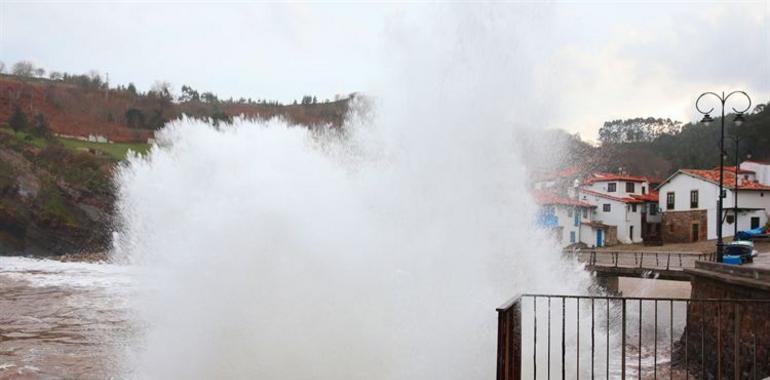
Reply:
x=707, y=120
x=737, y=140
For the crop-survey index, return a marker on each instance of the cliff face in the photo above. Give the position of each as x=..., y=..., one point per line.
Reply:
x=53, y=201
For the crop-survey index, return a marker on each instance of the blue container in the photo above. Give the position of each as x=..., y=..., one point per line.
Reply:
x=732, y=260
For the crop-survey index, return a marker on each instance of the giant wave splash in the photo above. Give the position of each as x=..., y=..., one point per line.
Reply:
x=276, y=252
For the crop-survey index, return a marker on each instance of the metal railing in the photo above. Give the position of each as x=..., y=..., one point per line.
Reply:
x=654, y=260
x=569, y=336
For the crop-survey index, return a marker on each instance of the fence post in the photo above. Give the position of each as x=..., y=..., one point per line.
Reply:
x=502, y=343
x=515, y=357
x=509, y=342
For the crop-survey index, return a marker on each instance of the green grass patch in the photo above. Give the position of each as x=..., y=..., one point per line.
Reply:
x=117, y=151
x=25, y=137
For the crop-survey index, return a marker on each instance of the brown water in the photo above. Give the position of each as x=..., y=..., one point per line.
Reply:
x=61, y=320
x=72, y=321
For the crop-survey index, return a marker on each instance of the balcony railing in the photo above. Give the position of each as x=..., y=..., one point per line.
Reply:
x=569, y=336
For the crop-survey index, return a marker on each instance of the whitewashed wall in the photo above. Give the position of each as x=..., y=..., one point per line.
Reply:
x=762, y=171
x=620, y=186
x=620, y=215
x=682, y=184
x=588, y=235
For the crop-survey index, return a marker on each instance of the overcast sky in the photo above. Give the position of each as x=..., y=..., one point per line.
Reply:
x=599, y=61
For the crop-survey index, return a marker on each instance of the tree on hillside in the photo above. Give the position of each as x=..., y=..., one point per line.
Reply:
x=209, y=97
x=637, y=130
x=18, y=120
x=162, y=89
x=2, y=67
x=40, y=127
x=134, y=118
x=23, y=69
x=189, y=94
x=39, y=72
x=55, y=75
x=131, y=88
x=96, y=79
x=156, y=120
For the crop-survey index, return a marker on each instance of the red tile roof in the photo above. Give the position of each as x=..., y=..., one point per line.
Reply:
x=652, y=196
x=549, y=198
x=614, y=198
x=732, y=170
x=604, y=177
x=729, y=179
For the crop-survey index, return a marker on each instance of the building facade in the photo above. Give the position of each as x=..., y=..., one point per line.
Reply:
x=623, y=201
x=688, y=200
x=568, y=220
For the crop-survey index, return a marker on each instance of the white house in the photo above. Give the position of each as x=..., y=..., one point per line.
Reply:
x=754, y=171
x=623, y=201
x=618, y=185
x=569, y=220
x=688, y=199
x=625, y=213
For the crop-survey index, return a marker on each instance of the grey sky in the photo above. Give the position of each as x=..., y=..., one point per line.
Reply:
x=599, y=61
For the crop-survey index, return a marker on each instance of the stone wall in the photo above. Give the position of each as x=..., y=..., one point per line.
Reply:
x=715, y=329
x=676, y=226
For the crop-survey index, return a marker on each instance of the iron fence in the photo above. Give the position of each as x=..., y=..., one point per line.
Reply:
x=570, y=336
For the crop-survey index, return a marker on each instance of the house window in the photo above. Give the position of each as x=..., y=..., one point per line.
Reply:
x=585, y=212
x=694, y=199
x=669, y=201
x=653, y=209
x=612, y=187
x=644, y=190
x=569, y=212
x=633, y=207
x=754, y=222
x=572, y=236
x=606, y=207
x=630, y=187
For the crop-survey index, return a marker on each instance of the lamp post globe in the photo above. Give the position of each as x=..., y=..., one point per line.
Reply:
x=738, y=120
x=707, y=120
